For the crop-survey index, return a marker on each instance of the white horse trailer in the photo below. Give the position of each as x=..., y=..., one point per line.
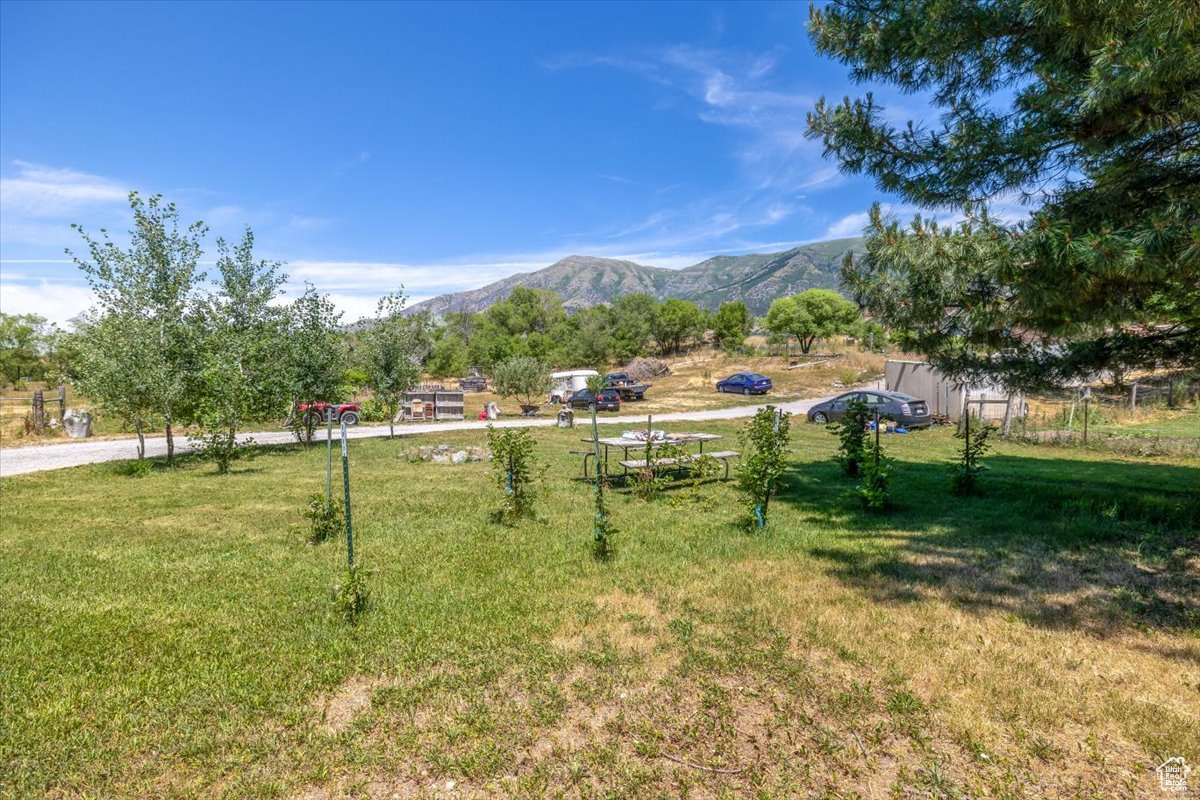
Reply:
x=565, y=384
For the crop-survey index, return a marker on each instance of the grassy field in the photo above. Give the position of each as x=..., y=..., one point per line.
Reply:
x=171, y=635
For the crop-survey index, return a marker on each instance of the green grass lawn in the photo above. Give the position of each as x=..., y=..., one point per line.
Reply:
x=171, y=635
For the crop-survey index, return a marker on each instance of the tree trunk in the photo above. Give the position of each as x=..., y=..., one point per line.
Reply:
x=141, y=438
x=170, y=441
x=805, y=344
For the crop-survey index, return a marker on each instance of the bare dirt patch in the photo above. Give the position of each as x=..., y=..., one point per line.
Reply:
x=338, y=710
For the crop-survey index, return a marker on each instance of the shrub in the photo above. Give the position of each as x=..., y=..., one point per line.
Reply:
x=852, y=432
x=350, y=597
x=514, y=470
x=220, y=446
x=374, y=410
x=324, y=524
x=763, y=439
x=141, y=468
x=700, y=469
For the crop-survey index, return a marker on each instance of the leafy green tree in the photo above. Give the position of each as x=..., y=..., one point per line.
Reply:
x=449, y=355
x=731, y=325
x=676, y=322
x=633, y=325
x=315, y=358
x=523, y=378
x=150, y=287
x=526, y=311
x=1091, y=112
x=25, y=341
x=119, y=368
x=243, y=342
x=811, y=315
x=587, y=337
x=394, y=345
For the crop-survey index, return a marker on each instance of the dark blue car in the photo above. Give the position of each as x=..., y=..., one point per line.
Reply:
x=745, y=383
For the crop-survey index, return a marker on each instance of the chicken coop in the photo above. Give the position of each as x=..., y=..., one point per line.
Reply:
x=431, y=403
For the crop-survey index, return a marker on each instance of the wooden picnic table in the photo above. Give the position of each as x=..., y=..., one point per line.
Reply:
x=626, y=444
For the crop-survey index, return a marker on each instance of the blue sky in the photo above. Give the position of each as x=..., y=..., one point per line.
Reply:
x=438, y=146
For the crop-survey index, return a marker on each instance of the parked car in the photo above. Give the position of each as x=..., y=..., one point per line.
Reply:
x=607, y=400
x=342, y=412
x=745, y=383
x=909, y=411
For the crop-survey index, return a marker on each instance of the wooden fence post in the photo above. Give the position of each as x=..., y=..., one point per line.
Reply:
x=39, y=411
x=62, y=403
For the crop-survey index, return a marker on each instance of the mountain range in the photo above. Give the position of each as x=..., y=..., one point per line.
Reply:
x=583, y=281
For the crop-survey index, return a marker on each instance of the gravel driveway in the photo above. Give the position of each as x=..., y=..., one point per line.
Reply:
x=39, y=458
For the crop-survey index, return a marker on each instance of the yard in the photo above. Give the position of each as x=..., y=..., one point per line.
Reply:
x=171, y=635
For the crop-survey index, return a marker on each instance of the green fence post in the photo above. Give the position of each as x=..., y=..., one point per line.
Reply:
x=328, y=461
x=346, y=485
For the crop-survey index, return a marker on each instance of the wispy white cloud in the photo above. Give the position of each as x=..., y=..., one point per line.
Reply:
x=745, y=92
x=39, y=191
x=849, y=225
x=57, y=301
x=300, y=223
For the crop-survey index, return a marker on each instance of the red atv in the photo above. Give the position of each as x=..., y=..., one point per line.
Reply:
x=314, y=413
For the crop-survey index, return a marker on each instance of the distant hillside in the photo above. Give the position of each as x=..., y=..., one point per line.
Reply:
x=584, y=281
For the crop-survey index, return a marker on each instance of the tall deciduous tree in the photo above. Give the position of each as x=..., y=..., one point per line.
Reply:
x=633, y=325
x=675, y=323
x=394, y=346
x=244, y=343
x=118, y=366
x=731, y=325
x=25, y=340
x=811, y=315
x=315, y=358
x=1091, y=110
x=148, y=288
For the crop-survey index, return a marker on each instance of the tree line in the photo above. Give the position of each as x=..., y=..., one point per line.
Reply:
x=164, y=347
x=533, y=323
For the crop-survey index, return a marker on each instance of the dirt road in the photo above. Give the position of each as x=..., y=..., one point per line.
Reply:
x=38, y=458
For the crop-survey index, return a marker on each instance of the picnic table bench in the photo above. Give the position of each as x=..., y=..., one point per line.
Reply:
x=626, y=444
x=680, y=462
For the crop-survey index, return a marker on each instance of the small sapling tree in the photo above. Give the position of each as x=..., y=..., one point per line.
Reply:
x=515, y=470
x=873, y=489
x=852, y=432
x=602, y=529
x=764, y=442
x=964, y=478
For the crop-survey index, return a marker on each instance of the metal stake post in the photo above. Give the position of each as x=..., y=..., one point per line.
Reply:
x=1086, y=402
x=346, y=485
x=328, y=462
x=877, y=437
